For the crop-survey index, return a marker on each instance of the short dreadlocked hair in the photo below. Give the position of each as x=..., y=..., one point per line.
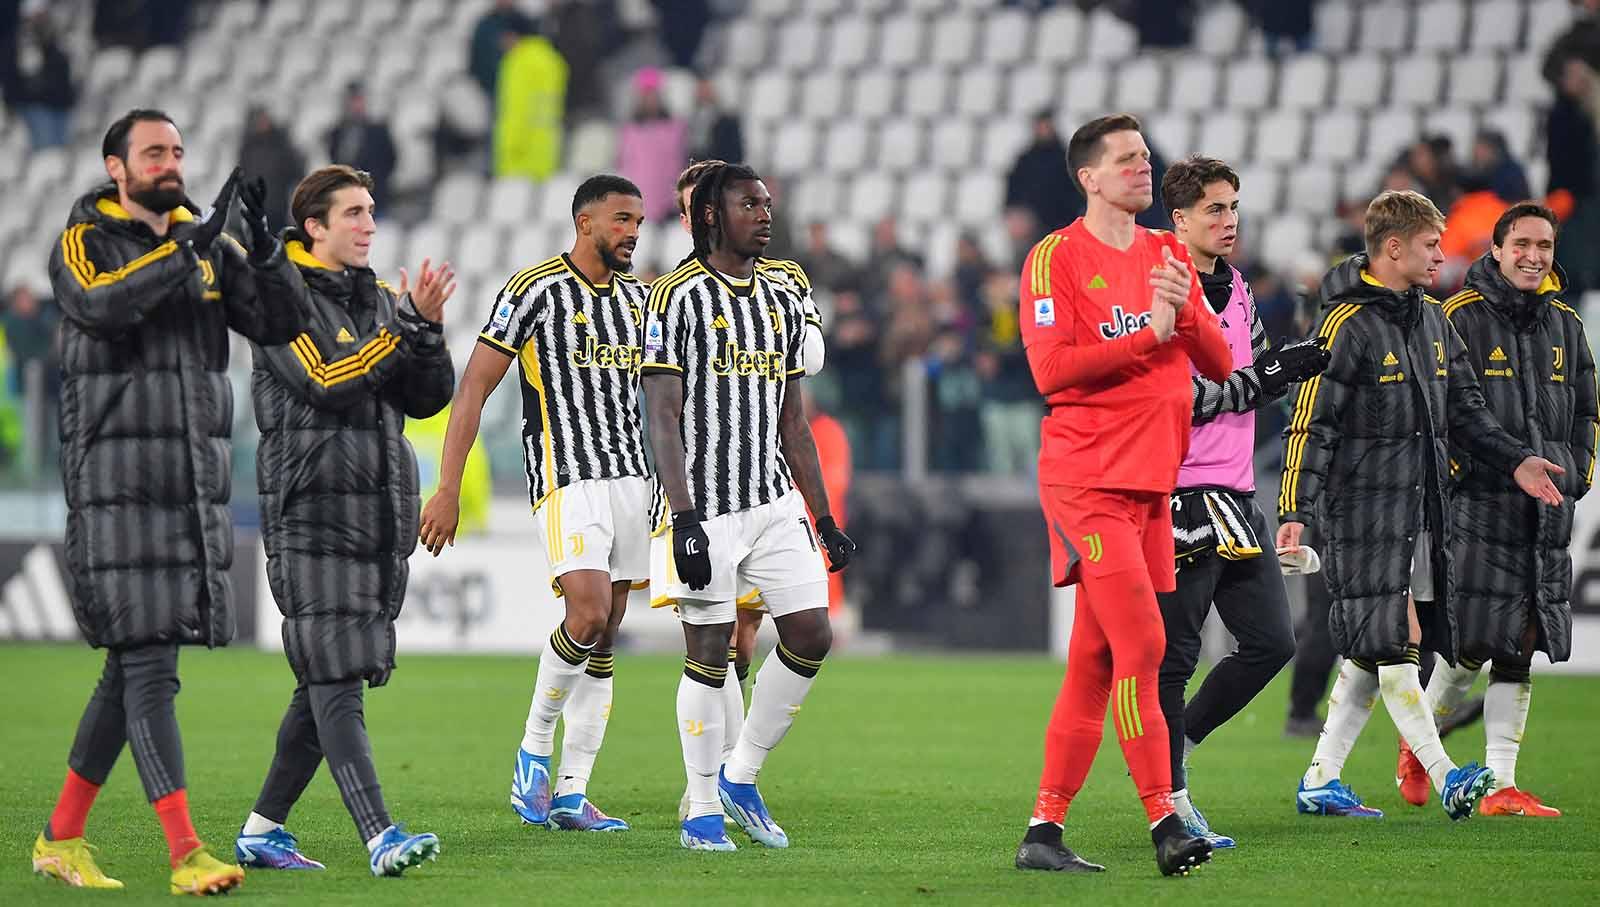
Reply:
x=691, y=177
x=708, y=194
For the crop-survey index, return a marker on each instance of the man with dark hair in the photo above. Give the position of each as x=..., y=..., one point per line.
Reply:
x=149, y=292
x=1217, y=527
x=573, y=322
x=751, y=607
x=1039, y=184
x=1365, y=460
x=338, y=483
x=1113, y=319
x=1514, y=573
x=722, y=342
x=365, y=143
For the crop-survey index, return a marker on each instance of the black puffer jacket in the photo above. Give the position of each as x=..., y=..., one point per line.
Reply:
x=338, y=479
x=146, y=412
x=1538, y=377
x=1365, y=457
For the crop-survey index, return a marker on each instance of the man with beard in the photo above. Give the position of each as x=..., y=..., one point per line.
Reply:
x=1514, y=573
x=338, y=484
x=149, y=292
x=573, y=324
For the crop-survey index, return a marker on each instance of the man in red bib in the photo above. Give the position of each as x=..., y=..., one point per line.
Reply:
x=1112, y=316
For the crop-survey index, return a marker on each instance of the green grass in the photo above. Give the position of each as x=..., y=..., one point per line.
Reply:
x=906, y=779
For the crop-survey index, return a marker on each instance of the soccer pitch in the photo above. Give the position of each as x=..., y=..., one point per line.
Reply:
x=906, y=779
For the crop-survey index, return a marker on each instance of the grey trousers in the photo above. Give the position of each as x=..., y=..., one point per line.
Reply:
x=325, y=720
x=133, y=705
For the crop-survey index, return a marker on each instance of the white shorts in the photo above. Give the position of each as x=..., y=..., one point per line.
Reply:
x=1422, y=568
x=767, y=556
x=597, y=524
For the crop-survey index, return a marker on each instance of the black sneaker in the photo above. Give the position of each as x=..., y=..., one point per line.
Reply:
x=1176, y=851
x=1041, y=848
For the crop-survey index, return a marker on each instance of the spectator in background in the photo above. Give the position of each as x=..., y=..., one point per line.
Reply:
x=29, y=325
x=1431, y=161
x=971, y=272
x=683, y=24
x=497, y=32
x=140, y=23
x=955, y=432
x=714, y=133
x=1010, y=408
x=827, y=269
x=886, y=256
x=1494, y=167
x=1161, y=23
x=583, y=30
x=1572, y=152
x=364, y=143
x=853, y=334
x=653, y=147
x=268, y=152
x=1284, y=22
x=38, y=82
x=1039, y=183
x=530, y=110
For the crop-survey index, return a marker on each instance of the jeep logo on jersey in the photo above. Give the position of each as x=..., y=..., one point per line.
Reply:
x=736, y=361
x=608, y=355
x=1122, y=323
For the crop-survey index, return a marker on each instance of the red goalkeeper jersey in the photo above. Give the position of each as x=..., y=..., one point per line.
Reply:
x=1120, y=402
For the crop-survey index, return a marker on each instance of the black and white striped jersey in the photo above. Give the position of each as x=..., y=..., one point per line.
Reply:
x=790, y=272
x=737, y=345
x=578, y=346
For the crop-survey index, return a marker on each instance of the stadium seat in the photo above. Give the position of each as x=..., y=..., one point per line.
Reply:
x=1224, y=135
x=1220, y=29
x=924, y=198
x=955, y=38
x=978, y=196
x=512, y=201
x=1525, y=83
x=388, y=245
x=1259, y=190
x=48, y=166
x=1546, y=20
x=1083, y=91
x=329, y=18
x=555, y=199
x=1284, y=240
x=814, y=197
x=1194, y=84
x=851, y=42
x=592, y=147
x=874, y=94
x=377, y=16
x=1110, y=38
x=458, y=199
x=283, y=17
x=952, y=144
x=1390, y=131
x=1333, y=26
x=744, y=44
x=1003, y=139
x=1312, y=190
x=1335, y=136
x=1029, y=89
x=927, y=93
x=231, y=18
x=1496, y=25
x=1305, y=83
x=872, y=196
x=1140, y=85
x=1417, y=80
x=1362, y=178
x=1441, y=25
x=431, y=240
x=479, y=252
x=900, y=146
x=108, y=68
x=822, y=96
x=1280, y=137
x=1059, y=34
x=846, y=150
x=1520, y=126
x=904, y=42
x=769, y=99
x=1458, y=123
x=772, y=9
x=1249, y=83
x=1386, y=28
x=1007, y=37
x=1474, y=79
x=794, y=147
x=1360, y=82
x=1173, y=133
x=800, y=45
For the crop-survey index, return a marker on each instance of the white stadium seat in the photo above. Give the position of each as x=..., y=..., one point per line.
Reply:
x=952, y=144
x=1386, y=28
x=512, y=201
x=1083, y=89
x=1140, y=85
x=847, y=147
x=822, y=95
x=1110, y=37
x=874, y=94
x=1194, y=84
x=978, y=197
x=1029, y=89
x=1441, y=25
x=795, y=147
x=1359, y=82
x=872, y=197
x=1007, y=37
x=1335, y=137
x=1249, y=84
x=1305, y=82
x=1390, y=131
x=1417, y=80
x=900, y=146
x=904, y=42
x=1221, y=29
x=851, y=42
x=924, y=198
x=1224, y=135
x=955, y=38
x=1059, y=34
x=1171, y=133
x=1474, y=79
x=1280, y=137
x=800, y=45
x=927, y=91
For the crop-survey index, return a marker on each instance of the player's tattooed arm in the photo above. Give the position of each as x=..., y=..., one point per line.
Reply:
x=800, y=452
x=663, y=395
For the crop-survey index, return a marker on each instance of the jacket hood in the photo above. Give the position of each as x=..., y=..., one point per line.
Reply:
x=100, y=206
x=1484, y=277
x=341, y=285
x=1349, y=281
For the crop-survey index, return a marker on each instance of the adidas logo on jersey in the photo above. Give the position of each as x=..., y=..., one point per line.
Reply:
x=1499, y=355
x=580, y=318
x=1097, y=282
x=344, y=336
x=1388, y=359
x=719, y=323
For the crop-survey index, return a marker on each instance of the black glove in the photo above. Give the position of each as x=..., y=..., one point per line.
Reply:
x=253, y=198
x=204, y=234
x=838, y=545
x=1282, y=366
x=691, y=550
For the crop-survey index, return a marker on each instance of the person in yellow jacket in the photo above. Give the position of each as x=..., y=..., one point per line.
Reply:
x=529, y=109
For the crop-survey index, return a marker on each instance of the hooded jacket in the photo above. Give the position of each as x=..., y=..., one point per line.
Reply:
x=1538, y=379
x=146, y=414
x=338, y=479
x=1366, y=456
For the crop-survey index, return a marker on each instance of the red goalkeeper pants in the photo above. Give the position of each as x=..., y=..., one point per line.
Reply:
x=1117, y=547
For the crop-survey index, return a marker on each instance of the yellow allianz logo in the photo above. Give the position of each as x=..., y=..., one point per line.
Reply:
x=1499, y=355
x=344, y=336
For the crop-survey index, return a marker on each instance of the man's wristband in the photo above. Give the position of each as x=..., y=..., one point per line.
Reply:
x=683, y=518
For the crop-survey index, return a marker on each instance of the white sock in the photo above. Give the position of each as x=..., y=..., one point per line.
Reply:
x=1449, y=688
x=372, y=843
x=1505, y=718
x=700, y=733
x=778, y=695
x=1349, y=707
x=1035, y=820
x=1180, y=802
x=587, y=712
x=1408, y=708
x=257, y=824
x=552, y=686
x=732, y=712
